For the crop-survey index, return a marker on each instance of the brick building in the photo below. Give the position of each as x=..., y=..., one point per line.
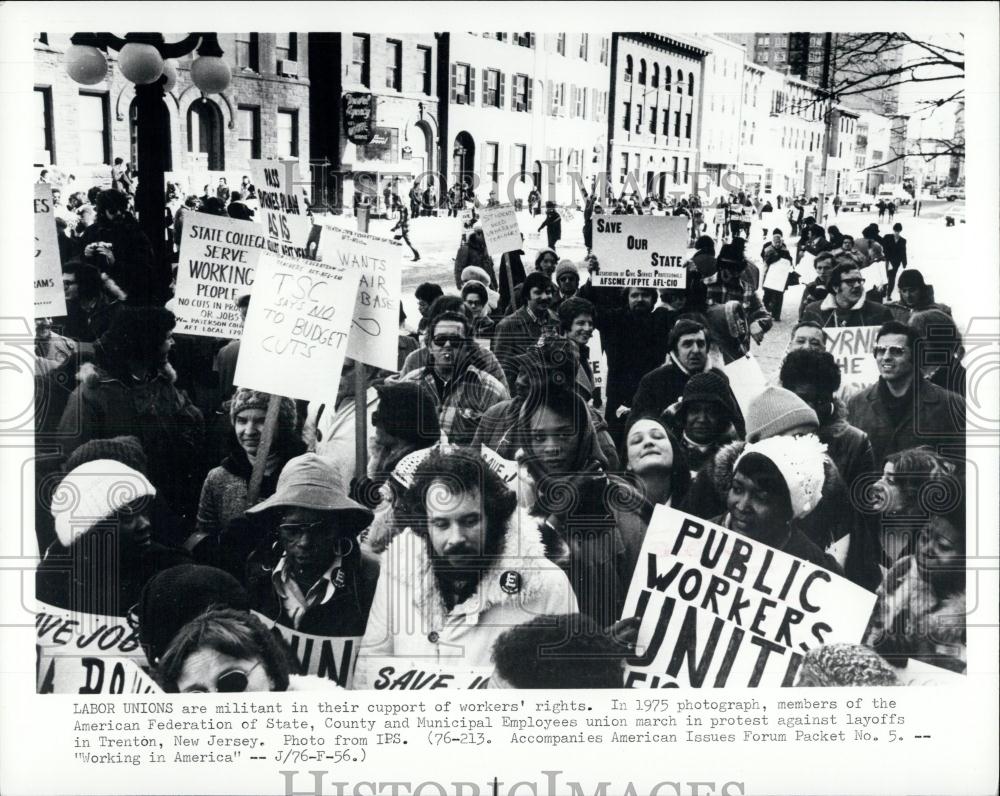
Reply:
x=81, y=129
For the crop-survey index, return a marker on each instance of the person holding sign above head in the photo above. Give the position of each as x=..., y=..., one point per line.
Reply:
x=777, y=481
x=846, y=304
x=321, y=582
x=468, y=567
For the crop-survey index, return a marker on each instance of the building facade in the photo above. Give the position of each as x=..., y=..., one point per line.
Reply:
x=80, y=130
x=654, y=127
x=722, y=111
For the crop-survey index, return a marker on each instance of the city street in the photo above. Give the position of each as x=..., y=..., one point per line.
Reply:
x=932, y=248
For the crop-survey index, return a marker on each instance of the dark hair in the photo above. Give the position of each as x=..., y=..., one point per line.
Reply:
x=428, y=291
x=476, y=287
x=88, y=278
x=682, y=327
x=448, y=315
x=113, y=201
x=535, y=279
x=895, y=327
x=704, y=243
x=927, y=481
x=806, y=366
x=837, y=274
x=936, y=331
x=449, y=303
x=768, y=478
x=138, y=332
x=552, y=651
x=870, y=232
x=897, y=227
x=238, y=634
x=911, y=277
x=118, y=161
x=680, y=471
x=572, y=308
x=464, y=471
x=234, y=196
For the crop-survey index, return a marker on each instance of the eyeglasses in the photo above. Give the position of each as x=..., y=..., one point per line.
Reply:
x=299, y=528
x=852, y=282
x=895, y=351
x=441, y=340
x=231, y=682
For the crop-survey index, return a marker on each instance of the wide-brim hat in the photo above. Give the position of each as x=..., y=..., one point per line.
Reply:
x=310, y=481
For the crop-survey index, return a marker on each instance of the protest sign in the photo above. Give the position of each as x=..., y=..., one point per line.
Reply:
x=776, y=277
x=501, y=230
x=295, y=335
x=282, y=210
x=505, y=468
x=330, y=657
x=746, y=380
x=468, y=216
x=374, y=337
x=719, y=217
x=50, y=300
x=216, y=265
x=641, y=251
x=719, y=609
x=89, y=674
x=805, y=267
x=875, y=275
x=566, y=213
x=852, y=347
x=395, y=674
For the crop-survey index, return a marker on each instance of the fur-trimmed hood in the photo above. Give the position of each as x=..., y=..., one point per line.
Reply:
x=91, y=375
x=522, y=547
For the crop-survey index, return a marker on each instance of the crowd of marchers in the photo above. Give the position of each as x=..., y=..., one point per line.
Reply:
x=440, y=551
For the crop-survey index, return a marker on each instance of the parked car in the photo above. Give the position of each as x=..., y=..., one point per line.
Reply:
x=951, y=193
x=894, y=193
x=857, y=201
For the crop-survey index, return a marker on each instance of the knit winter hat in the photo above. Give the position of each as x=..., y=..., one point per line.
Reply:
x=175, y=596
x=406, y=410
x=566, y=267
x=800, y=461
x=775, y=411
x=711, y=387
x=542, y=252
x=731, y=257
x=245, y=398
x=845, y=665
x=127, y=450
x=93, y=492
x=473, y=273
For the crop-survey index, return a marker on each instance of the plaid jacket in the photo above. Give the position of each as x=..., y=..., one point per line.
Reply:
x=719, y=293
x=470, y=394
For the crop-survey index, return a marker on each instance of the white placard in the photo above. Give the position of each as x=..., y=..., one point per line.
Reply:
x=505, y=468
x=805, y=267
x=719, y=609
x=216, y=265
x=746, y=380
x=282, y=207
x=852, y=347
x=500, y=229
x=50, y=300
x=295, y=336
x=641, y=251
x=400, y=674
x=330, y=657
x=776, y=277
x=374, y=337
x=875, y=275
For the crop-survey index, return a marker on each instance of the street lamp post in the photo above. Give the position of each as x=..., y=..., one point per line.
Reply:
x=144, y=60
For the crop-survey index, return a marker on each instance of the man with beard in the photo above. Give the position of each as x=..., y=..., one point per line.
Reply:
x=846, y=304
x=518, y=332
x=468, y=567
x=322, y=583
x=688, y=354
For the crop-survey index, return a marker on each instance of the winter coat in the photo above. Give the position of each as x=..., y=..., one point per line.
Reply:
x=895, y=250
x=134, y=268
x=481, y=358
x=939, y=420
x=848, y=446
x=345, y=613
x=911, y=620
x=87, y=325
x=408, y=618
x=171, y=429
x=515, y=334
x=863, y=313
x=798, y=545
x=901, y=312
x=468, y=255
x=659, y=388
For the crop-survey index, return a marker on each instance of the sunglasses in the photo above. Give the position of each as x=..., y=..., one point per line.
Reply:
x=441, y=340
x=852, y=282
x=231, y=682
x=299, y=528
x=894, y=351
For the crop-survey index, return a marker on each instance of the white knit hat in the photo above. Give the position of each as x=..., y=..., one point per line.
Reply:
x=800, y=460
x=92, y=492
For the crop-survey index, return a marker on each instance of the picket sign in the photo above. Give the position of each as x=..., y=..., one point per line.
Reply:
x=641, y=251
x=875, y=274
x=50, y=298
x=505, y=468
x=217, y=261
x=330, y=657
x=719, y=217
x=282, y=207
x=718, y=609
x=776, y=277
x=806, y=268
x=746, y=380
x=396, y=674
x=852, y=347
x=500, y=229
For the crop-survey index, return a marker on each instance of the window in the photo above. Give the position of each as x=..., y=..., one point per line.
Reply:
x=384, y=146
x=690, y=84
x=687, y=125
x=463, y=79
x=360, y=58
x=675, y=174
x=604, y=50
x=677, y=124
x=779, y=57
x=525, y=39
x=638, y=117
x=561, y=43
x=628, y=116
x=653, y=115
x=667, y=80
x=666, y=122
x=42, y=38
x=288, y=134
x=753, y=131
x=492, y=161
x=424, y=69
x=248, y=51
x=628, y=68
x=499, y=36
x=521, y=161
x=642, y=71
x=687, y=169
x=393, y=64
x=584, y=45
x=680, y=82
x=44, y=154
x=248, y=123
x=286, y=47
x=491, y=88
x=92, y=121
x=579, y=102
x=624, y=165
x=522, y=93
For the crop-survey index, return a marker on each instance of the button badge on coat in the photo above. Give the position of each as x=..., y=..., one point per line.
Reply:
x=510, y=582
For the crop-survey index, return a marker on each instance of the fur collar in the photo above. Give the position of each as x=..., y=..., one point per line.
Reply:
x=406, y=561
x=90, y=375
x=829, y=303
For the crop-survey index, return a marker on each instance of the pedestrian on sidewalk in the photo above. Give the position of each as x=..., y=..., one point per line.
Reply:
x=403, y=225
